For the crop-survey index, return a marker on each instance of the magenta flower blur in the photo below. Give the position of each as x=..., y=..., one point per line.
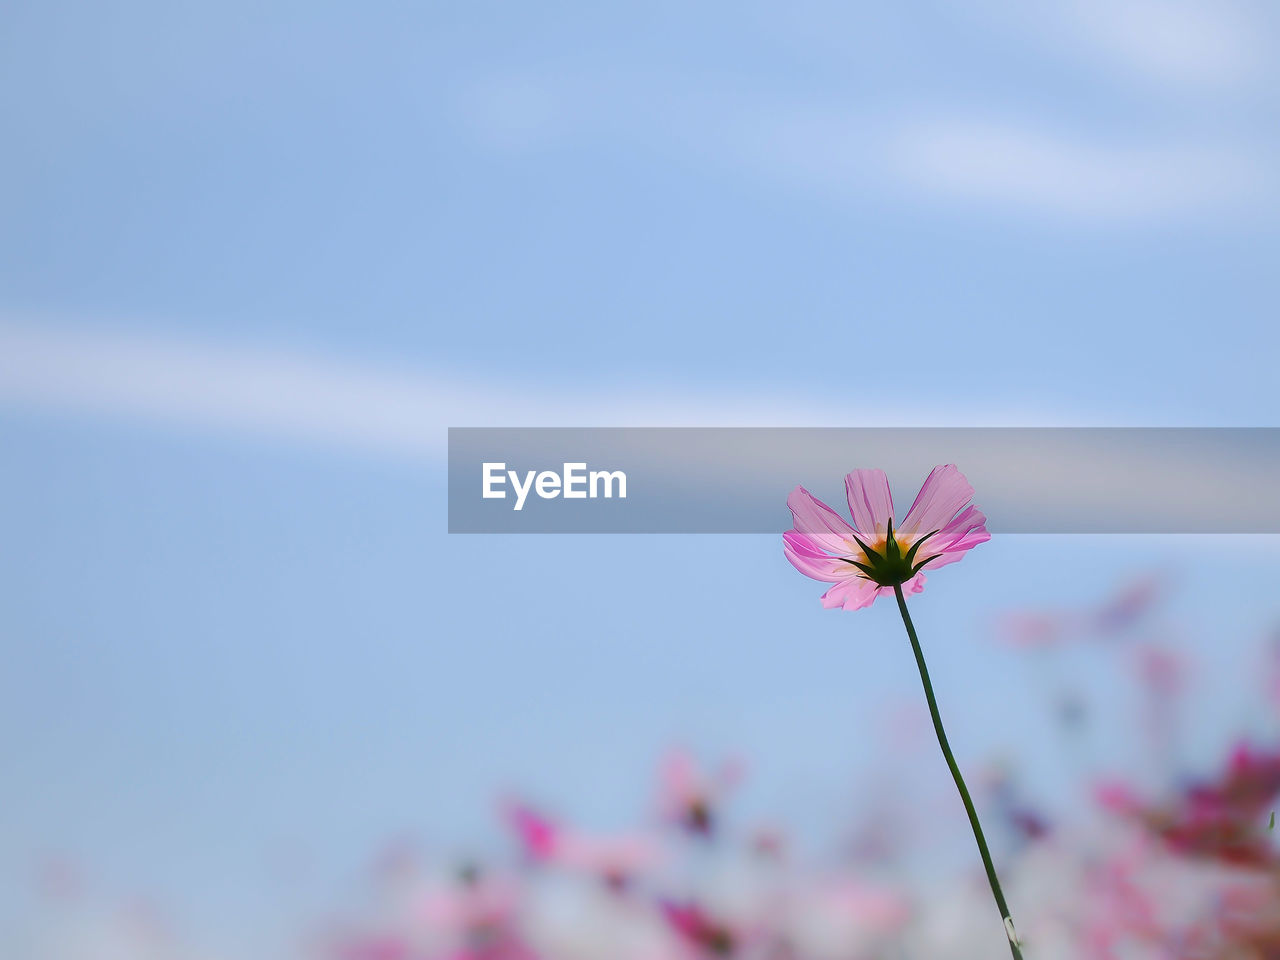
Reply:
x=876, y=553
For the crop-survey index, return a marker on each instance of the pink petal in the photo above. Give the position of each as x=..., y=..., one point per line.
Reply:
x=539, y=834
x=870, y=502
x=679, y=776
x=968, y=529
x=808, y=556
x=1117, y=798
x=810, y=515
x=851, y=594
x=956, y=539
x=914, y=585
x=944, y=493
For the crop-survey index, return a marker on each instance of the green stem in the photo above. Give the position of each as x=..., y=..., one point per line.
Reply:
x=996, y=892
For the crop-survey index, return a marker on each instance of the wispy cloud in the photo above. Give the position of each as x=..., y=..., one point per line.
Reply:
x=277, y=395
x=252, y=390
x=1012, y=167
x=942, y=153
x=1179, y=44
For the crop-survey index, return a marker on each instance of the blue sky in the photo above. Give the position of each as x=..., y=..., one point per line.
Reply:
x=254, y=259
x=652, y=196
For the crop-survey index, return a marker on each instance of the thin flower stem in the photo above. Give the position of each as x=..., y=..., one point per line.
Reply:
x=996, y=892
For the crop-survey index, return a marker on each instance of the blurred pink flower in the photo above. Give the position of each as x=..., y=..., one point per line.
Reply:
x=690, y=797
x=613, y=859
x=476, y=899
x=1026, y=822
x=1033, y=631
x=769, y=842
x=1128, y=605
x=708, y=935
x=866, y=559
x=59, y=878
x=1116, y=616
x=1117, y=798
x=538, y=834
x=1163, y=670
x=479, y=918
x=398, y=862
x=1271, y=674
x=1244, y=921
x=375, y=948
x=1117, y=911
x=873, y=910
x=1218, y=820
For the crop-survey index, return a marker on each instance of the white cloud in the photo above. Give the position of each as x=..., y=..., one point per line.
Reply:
x=1040, y=172
x=248, y=389
x=1214, y=47
x=912, y=152
x=1176, y=42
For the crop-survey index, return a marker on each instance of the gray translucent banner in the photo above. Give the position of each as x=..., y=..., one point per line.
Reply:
x=736, y=480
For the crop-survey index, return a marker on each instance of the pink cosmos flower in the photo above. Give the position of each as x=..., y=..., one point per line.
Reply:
x=614, y=859
x=870, y=557
x=1213, y=820
x=541, y=837
x=1034, y=631
x=1118, y=911
x=1118, y=798
x=690, y=796
x=1128, y=606
x=708, y=935
x=375, y=948
x=1163, y=670
x=479, y=918
x=1116, y=617
x=871, y=910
